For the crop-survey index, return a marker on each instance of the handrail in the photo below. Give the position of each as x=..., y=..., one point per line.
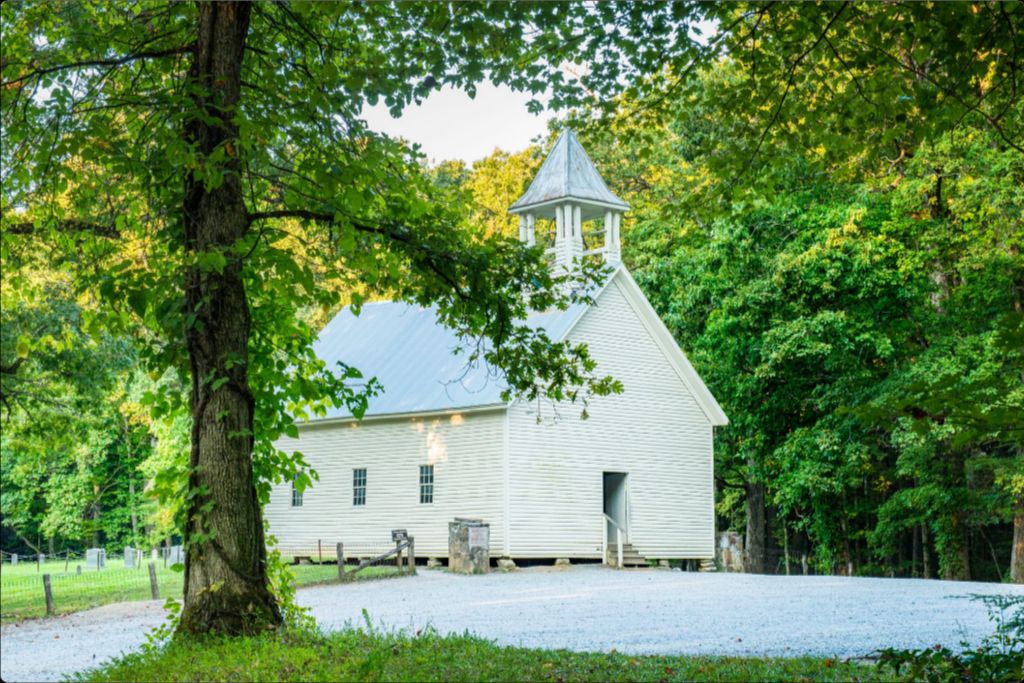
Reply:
x=614, y=523
x=618, y=539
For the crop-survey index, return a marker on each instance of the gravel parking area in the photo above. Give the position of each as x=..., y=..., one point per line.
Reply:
x=581, y=608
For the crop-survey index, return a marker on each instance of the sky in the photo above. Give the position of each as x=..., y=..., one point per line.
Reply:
x=451, y=125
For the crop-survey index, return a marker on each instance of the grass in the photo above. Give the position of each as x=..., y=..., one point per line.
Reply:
x=22, y=596
x=376, y=656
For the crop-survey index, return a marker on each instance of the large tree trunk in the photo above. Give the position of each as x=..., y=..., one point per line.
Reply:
x=755, y=541
x=1017, y=554
x=134, y=517
x=96, y=516
x=130, y=457
x=226, y=588
x=926, y=553
x=956, y=556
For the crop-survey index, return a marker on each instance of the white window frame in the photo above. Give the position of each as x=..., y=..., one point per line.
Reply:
x=359, y=487
x=426, y=484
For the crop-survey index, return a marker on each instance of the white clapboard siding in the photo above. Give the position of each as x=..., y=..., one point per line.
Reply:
x=655, y=431
x=466, y=449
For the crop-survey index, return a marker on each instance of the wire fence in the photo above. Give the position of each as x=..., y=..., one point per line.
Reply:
x=51, y=590
x=39, y=585
x=93, y=560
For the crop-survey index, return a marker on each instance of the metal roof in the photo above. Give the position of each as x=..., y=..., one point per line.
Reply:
x=416, y=361
x=414, y=357
x=567, y=173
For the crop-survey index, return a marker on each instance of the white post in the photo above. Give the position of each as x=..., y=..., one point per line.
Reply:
x=618, y=532
x=531, y=230
x=522, y=228
x=562, y=216
x=612, y=247
x=574, y=246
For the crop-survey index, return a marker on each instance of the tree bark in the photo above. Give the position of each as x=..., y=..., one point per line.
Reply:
x=1017, y=554
x=926, y=554
x=130, y=457
x=956, y=560
x=226, y=588
x=131, y=506
x=754, y=548
x=96, y=517
x=915, y=550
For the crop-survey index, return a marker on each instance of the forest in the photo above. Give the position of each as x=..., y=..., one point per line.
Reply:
x=827, y=211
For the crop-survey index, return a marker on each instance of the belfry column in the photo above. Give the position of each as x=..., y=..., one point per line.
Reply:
x=612, y=243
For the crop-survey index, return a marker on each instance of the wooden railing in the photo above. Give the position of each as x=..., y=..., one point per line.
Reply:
x=396, y=552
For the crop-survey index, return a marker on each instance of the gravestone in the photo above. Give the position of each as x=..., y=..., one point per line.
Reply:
x=14, y=558
x=42, y=558
x=153, y=555
x=95, y=558
x=175, y=555
x=730, y=551
x=469, y=546
x=131, y=557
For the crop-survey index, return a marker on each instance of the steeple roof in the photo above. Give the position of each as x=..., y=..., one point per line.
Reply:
x=568, y=173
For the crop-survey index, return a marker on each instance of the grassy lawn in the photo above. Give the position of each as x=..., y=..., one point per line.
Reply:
x=356, y=655
x=22, y=597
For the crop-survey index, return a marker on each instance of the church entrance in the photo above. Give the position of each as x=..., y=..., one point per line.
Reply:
x=615, y=507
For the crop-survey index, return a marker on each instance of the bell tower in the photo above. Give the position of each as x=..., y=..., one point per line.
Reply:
x=569, y=198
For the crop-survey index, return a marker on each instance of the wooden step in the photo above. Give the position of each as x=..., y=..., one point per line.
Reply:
x=630, y=556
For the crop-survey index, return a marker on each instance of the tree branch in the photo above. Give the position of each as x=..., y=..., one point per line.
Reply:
x=431, y=257
x=97, y=62
x=789, y=86
x=69, y=226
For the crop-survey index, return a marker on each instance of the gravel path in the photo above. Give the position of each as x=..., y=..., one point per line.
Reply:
x=582, y=608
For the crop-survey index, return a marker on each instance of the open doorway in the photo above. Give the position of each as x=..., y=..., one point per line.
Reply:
x=615, y=503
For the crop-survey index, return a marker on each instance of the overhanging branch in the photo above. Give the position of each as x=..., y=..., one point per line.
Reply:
x=118, y=61
x=68, y=225
x=430, y=259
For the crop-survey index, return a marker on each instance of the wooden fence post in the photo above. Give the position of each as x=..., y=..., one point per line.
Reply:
x=412, y=555
x=154, y=588
x=341, y=561
x=49, y=595
x=319, y=553
x=398, y=555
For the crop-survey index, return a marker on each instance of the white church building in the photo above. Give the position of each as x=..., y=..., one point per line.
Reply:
x=440, y=443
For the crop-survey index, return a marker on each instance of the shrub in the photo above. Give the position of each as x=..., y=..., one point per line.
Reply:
x=999, y=657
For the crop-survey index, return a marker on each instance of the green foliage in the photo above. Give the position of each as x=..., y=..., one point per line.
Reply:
x=826, y=212
x=355, y=655
x=107, y=164
x=70, y=442
x=1000, y=656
